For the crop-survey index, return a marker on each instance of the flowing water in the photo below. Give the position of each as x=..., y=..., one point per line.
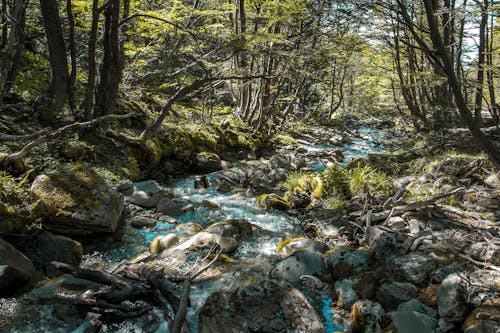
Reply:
x=273, y=228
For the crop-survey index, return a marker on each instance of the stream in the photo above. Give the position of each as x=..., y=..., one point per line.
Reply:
x=257, y=250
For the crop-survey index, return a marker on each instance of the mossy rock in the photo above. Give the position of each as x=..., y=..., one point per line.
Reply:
x=206, y=162
x=15, y=167
x=77, y=201
x=11, y=219
x=272, y=200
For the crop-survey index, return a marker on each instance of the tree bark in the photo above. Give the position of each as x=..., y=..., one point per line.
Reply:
x=51, y=104
x=478, y=104
x=88, y=100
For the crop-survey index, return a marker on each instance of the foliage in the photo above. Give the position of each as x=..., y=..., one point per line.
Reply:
x=365, y=177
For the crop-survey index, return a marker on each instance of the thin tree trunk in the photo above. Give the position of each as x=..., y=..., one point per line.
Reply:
x=72, y=52
x=111, y=68
x=478, y=105
x=51, y=104
x=88, y=100
x=10, y=54
x=485, y=144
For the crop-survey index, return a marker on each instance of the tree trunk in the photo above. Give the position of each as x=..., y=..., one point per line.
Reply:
x=111, y=68
x=51, y=104
x=72, y=52
x=486, y=145
x=478, y=105
x=88, y=100
x=14, y=42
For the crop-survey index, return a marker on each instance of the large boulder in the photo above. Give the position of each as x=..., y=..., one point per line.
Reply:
x=77, y=201
x=146, y=194
x=269, y=306
x=15, y=269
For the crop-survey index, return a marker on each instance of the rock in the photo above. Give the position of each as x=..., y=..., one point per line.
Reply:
x=300, y=263
x=414, y=226
x=146, y=194
x=269, y=201
x=161, y=243
x=77, y=201
x=298, y=163
x=346, y=296
x=482, y=285
x=167, y=206
x=224, y=186
x=206, y=162
x=390, y=295
x=189, y=228
x=15, y=265
x=200, y=241
x=438, y=275
x=209, y=204
x=397, y=223
x=263, y=307
x=483, y=319
x=142, y=221
x=11, y=279
x=289, y=246
x=412, y=322
x=201, y=182
x=238, y=229
x=124, y=185
x=413, y=267
x=485, y=252
x=50, y=247
x=367, y=316
x=381, y=242
x=187, y=208
x=493, y=180
x=279, y=161
x=345, y=262
x=452, y=304
x=416, y=306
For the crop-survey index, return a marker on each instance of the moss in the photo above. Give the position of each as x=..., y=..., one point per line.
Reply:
x=11, y=220
x=267, y=201
x=366, y=177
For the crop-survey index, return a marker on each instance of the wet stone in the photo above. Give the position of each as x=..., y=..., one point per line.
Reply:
x=300, y=263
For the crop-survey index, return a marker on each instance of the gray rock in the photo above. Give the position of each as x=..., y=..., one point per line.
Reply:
x=344, y=262
x=261, y=307
x=485, y=252
x=142, y=221
x=16, y=264
x=167, y=206
x=146, y=194
x=367, y=316
x=238, y=229
x=124, y=185
x=345, y=292
x=493, y=180
x=412, y=322
x=209, y=204
x=300, y=263
x=381, y=242
x=452, y=303
x=482, y=285
x=52, y=247
x=439, y=274
x=77, y=201
x=416, y=306
x=413, y=267
x=390, y=295
x=397, y=223
x=11, y=279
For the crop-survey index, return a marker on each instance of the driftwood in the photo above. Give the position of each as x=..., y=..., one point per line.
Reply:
x=181, y=312
x=398, y=210
x=60, y=132
x=12, y=138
